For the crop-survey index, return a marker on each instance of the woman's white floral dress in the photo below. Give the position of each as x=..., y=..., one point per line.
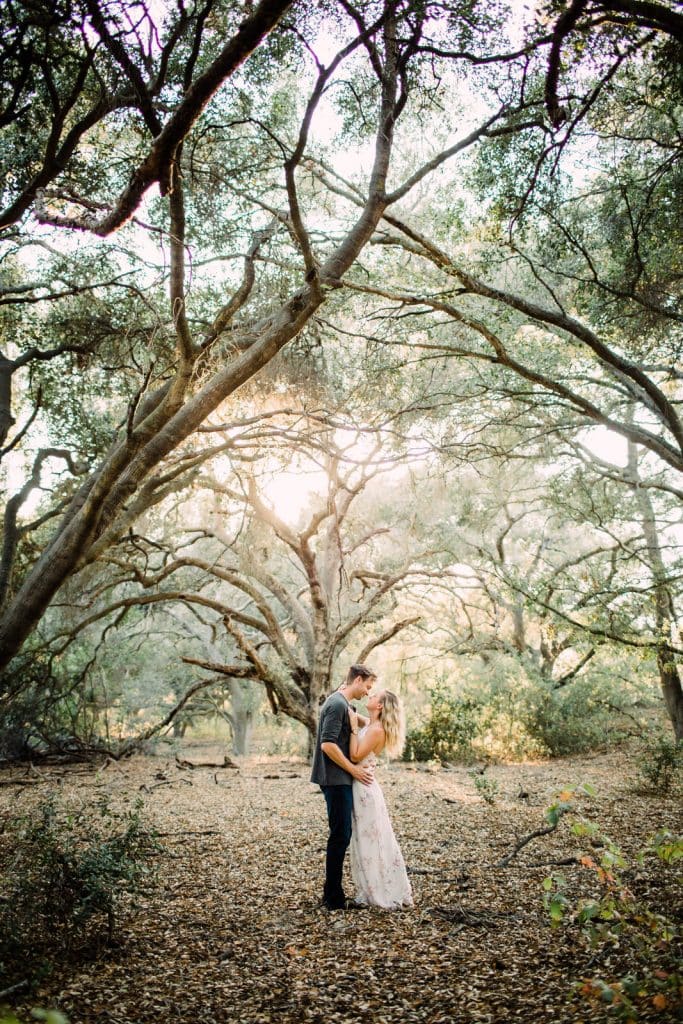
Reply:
x=377, y=866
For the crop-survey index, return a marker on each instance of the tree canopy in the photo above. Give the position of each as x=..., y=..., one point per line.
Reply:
x=235, y=235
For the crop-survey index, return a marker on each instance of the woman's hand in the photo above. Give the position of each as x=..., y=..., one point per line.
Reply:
x=353, y=719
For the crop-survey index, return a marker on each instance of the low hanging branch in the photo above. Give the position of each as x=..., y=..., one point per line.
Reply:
x=132, y=745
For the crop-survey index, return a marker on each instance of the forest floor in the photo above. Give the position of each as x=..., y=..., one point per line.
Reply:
x=233, y=931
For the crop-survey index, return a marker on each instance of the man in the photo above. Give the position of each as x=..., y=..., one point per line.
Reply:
x=334, y=772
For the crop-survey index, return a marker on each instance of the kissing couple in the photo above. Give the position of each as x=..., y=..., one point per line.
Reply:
x=344, y=763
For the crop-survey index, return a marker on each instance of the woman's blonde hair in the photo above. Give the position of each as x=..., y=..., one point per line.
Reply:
x=393, y=721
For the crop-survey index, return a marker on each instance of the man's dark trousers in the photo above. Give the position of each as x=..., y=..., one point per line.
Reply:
x=339, y=800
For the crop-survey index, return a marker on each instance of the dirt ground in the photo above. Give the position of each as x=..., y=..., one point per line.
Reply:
x=233, y=931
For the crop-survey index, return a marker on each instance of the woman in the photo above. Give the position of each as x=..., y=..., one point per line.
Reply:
x=377, y=866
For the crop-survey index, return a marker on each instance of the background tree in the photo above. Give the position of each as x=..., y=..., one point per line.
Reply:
x=282, y=602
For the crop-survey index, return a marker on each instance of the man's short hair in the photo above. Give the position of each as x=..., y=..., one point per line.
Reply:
x=359, y=670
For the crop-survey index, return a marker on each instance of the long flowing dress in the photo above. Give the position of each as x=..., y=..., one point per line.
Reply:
x=377, y=866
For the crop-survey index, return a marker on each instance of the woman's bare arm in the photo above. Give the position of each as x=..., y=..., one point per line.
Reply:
x=371, y=741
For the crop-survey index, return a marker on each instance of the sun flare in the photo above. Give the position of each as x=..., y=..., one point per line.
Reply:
x=290, y=493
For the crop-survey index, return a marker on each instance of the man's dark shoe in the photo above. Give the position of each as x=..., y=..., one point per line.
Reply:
x=333, y=906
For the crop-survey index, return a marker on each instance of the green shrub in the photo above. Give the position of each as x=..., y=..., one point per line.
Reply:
x=448, y=732
x=614, y=920
x=486, y=788
x=575, y=718
x=526, y=715
x=512, y=713
x=660, y=767
x=25, y=718
x=64, y=875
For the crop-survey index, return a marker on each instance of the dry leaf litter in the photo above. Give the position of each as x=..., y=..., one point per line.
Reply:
x=233, y=932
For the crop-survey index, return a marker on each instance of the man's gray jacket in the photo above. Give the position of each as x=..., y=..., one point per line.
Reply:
x=333, y=727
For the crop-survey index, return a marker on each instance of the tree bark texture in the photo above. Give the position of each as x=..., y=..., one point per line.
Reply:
x=665, y=611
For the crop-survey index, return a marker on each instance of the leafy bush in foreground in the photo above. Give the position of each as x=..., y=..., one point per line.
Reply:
x=613, y=920
x=63, y=877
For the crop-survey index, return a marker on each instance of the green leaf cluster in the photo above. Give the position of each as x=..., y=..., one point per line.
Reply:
x=615, y=917
x=65, y=874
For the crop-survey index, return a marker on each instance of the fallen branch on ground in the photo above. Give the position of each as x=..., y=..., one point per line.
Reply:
x=227, y=763
x=13, y=988
x=559, y=862
x=184, y=835
x=164, y=782
x=536, y=834
x=472, y=918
